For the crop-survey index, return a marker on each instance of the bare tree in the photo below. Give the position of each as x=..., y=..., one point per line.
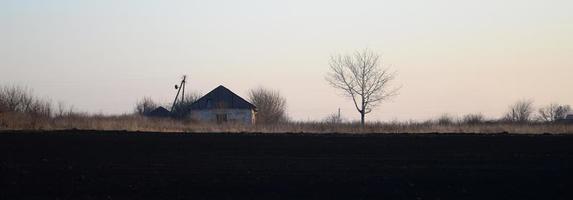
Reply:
x=145, y=106
x=183, y=108
x=553, y=112
x=3, y=103
x=3, y=107
x=21, y=100
x=520, y=112
x=334, y=118
x=473, y=119
x=361, y=77
x=64, y=110
x=16, y=98
x=445, y=119
x=271, y=106
x=40, y=108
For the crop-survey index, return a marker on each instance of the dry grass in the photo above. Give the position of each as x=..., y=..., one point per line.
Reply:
x=21, y=110
x=414, y=127
x=20, y=121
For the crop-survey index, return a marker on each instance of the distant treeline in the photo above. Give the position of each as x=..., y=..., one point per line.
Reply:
x=20, y=109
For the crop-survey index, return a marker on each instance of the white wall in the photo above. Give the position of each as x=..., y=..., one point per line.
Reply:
x=245, y=116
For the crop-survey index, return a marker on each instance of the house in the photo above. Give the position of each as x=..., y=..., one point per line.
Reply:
x=569, y=118
x=222, y=105
x=159, y=112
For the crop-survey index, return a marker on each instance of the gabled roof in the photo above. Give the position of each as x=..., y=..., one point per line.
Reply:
x=221, y=97
x=159, y=112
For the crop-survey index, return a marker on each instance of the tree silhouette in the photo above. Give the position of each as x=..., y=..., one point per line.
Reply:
x=362, y=78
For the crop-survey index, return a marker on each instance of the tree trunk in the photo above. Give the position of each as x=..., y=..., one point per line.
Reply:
x=363, y=111
x=362, y=119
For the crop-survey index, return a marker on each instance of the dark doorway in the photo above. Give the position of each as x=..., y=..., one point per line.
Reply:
x=221, y=118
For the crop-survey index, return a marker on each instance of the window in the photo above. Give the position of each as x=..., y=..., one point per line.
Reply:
x=221, y=118
x=209, y=103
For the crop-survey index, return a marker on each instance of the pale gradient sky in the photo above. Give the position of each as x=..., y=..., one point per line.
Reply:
x=451, y=56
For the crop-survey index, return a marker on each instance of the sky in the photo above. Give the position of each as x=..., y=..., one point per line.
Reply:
x=450, y=56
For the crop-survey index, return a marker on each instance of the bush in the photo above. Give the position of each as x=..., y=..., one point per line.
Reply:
x=520, y=112
x=333, y=119
x=182, y=108
x=445, y=119
x=553, y=112
x=20, y=100
x=271, y=106
x=3, y=106
x=145, y=106
x=473, y=119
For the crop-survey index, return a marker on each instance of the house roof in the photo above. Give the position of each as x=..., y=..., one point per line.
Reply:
x=159, y=112
x=221, y=97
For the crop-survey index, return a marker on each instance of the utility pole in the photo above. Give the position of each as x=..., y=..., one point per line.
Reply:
x=180, y=88
x=339, y=117
x=183, y=91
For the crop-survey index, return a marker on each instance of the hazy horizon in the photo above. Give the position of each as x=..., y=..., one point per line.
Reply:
x=450, y=56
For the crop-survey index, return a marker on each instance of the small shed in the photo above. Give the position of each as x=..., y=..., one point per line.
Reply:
x=568, y=118
x=221, y=105
x=159, y=112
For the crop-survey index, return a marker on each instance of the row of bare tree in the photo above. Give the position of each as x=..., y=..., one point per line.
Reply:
x=520, y=112
x=20, y=100
x=524, y=111
x=361, y=77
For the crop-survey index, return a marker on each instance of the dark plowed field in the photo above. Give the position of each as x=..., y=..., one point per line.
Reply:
x=121, y=165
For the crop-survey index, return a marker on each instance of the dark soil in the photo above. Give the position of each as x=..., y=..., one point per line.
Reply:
x=122, y=165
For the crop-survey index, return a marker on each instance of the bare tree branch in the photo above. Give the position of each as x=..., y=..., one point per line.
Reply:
x=361, y=77
x=553, y=112
x=520, y=112
x=271, y=106
x=145, y=106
